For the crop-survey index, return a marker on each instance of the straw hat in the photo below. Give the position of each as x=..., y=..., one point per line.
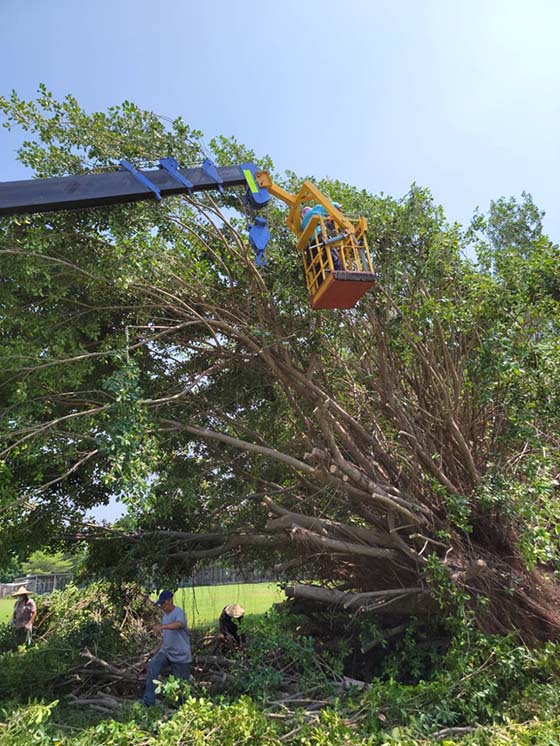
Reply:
x=21, y=591
x=234, y=610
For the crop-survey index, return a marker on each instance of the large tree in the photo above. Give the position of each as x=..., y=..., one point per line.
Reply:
x=403, y=454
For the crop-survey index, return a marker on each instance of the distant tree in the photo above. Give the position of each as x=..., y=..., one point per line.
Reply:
x=404, y=454
x=41, y=563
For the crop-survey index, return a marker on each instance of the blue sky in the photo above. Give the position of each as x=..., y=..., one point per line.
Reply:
x=461, y=97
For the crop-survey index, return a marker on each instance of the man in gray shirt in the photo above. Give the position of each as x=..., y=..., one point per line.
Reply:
x=175, y=650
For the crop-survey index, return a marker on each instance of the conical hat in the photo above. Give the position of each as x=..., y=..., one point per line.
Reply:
x=234, y=610
x=21, y=591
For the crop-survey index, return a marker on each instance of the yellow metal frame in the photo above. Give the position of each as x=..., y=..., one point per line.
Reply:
x=316, y=243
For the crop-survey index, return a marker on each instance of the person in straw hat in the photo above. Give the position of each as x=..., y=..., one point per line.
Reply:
x=25, y=611
x=230, y=619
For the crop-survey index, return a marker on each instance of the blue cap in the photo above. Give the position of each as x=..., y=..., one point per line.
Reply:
x=164, y=596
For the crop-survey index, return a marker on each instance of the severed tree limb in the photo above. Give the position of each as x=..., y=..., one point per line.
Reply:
x=245, y=446
x=343, y=547
x=300, y=535
x=232, y=542
x=418, y=602
x=377, y=494
x=359, y=598
x=367, y=535
x=401, y=543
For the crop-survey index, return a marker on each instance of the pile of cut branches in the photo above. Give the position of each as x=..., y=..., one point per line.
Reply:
x=281, y=666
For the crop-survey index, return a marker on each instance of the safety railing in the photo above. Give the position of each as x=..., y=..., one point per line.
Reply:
x=325, y=249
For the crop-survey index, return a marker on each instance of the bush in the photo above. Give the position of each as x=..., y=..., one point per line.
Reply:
x=509, y=693
x=279, y=654
x=67, y=622
x=7, y=638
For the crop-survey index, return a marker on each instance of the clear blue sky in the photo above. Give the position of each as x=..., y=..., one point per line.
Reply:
x=461, y=96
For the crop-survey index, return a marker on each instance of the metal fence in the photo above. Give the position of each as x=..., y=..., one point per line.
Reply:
x=37, y=584
x=212, y=574
x=220, y=575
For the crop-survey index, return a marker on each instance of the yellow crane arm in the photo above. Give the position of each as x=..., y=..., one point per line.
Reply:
x=307, y=193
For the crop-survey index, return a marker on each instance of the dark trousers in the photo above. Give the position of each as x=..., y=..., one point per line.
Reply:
x=23, y=636
x=158, y=664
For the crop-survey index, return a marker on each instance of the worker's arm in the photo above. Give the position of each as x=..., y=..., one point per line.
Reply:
x=173, y=625
x=169, y=625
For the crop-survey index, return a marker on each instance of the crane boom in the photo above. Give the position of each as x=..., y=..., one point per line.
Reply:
x=335, y=254
x=119, y=187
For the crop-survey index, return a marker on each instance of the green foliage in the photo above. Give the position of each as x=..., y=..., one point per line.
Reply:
x=126, y=438
x=203, y=722
x=42, y=563
x=331, y=730
x=10, y=569
x=531, y=502
x=277, y=649
x=67, y=622
x=28, y=725
x=474, y=683
x=449, y=597
x=503, y=691
x=8, y=641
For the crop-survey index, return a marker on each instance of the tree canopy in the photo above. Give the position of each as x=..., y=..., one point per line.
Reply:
x=404, y=452
x=41, y=563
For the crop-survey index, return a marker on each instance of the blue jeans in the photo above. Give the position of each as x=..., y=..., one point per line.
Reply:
x=157, y=665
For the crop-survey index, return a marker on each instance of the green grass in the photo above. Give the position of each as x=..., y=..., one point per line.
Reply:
x=6, y=608
x=203, y=605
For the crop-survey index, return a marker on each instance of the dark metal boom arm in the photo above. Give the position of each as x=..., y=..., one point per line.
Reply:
x=329, y=286
x=115, y=187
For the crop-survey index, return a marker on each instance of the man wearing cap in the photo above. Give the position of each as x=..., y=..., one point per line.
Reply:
x=175, y=650
x=25, y=611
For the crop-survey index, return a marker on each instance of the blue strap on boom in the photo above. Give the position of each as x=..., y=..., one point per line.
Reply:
x=141, y=178
x=172, y=168
x=259, y=236
x=209, y=168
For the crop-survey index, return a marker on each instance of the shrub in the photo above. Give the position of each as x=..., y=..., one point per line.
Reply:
x=7, y=638
x=279, y=654
x=68, y=622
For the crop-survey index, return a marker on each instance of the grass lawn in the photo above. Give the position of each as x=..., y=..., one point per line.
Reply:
x=203, y=605
x=6, y=608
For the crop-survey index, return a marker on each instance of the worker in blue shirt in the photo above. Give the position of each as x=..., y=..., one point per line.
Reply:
x=175, y=650
x=307, y=213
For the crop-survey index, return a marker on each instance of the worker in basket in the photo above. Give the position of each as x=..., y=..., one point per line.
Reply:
x=312, y=250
